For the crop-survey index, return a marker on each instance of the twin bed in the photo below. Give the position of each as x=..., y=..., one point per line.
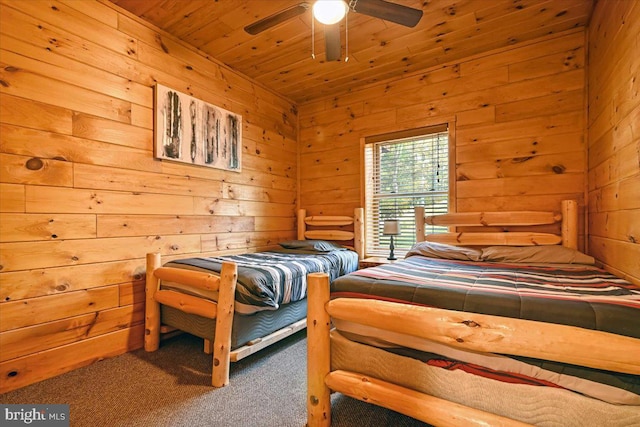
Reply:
x=481, y=328
x=240, y=304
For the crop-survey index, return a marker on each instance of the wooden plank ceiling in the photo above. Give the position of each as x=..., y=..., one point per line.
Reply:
x=280, y=58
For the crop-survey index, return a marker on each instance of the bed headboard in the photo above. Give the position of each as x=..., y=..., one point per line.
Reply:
x=568, y=216
x=327, y=227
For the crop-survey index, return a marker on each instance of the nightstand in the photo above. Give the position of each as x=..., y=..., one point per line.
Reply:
x=374, y=261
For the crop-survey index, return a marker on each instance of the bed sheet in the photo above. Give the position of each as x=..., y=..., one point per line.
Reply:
x=541, y=406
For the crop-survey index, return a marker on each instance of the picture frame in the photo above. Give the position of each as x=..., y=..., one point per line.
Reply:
x=189, y=130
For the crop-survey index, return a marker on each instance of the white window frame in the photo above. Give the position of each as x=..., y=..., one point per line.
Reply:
x=435, y=202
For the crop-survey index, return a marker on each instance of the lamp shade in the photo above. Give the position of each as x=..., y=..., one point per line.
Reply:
x=391, y=227
x=329, y=12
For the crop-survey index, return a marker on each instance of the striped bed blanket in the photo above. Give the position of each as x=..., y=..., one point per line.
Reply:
x=267, y=280
x=576, y=295
x=569, y=294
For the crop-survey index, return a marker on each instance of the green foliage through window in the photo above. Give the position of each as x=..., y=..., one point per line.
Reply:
x=401, y=174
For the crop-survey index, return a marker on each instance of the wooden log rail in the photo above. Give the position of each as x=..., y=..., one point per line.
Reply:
x=488, y=219
x=184, y=302
x=420, y=406
x=514, y=238
x=205, y=281
x=495, y=334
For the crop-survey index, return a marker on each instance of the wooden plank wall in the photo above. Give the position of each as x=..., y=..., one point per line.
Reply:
x=519, y=128
x=83, y=200
x=614, y=136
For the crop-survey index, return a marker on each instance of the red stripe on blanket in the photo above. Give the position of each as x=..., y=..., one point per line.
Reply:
x=507, y=377
x=335, y=295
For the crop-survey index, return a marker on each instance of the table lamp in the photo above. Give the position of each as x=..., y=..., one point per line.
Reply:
x=391, y=228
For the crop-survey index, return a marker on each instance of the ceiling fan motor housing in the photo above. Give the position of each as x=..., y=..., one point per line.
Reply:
x=337, y=9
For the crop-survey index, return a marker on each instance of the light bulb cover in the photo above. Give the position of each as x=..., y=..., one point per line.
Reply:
x=329, y=12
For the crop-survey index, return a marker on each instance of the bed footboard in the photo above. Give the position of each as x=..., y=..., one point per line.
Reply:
x=222, y=310
x=471, y=331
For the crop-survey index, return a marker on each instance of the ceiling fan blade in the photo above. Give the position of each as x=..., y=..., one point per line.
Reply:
x=333, y=48
x=400, y=14
x=277, y=18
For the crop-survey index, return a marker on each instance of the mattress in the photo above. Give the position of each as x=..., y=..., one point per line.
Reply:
x=541, y=406
x=611, y=387
x=245, y=328
x=268, y=280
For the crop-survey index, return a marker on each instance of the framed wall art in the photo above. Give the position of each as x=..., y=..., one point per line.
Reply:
x=189, y=130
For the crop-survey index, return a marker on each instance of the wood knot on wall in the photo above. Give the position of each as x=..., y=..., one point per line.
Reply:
x=164, y=47
x=34, y=164
x=62, y=287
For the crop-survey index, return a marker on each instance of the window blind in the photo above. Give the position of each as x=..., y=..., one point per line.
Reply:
x=399, y=175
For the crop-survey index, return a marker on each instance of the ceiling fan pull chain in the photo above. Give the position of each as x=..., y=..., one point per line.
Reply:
x=346, y=37
x=313, y=44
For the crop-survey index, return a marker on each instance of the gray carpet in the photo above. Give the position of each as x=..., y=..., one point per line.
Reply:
x=170, y=387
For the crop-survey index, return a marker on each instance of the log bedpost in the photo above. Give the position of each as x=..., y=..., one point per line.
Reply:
x=318, y=351
x=358, y=231
x=419, y=213
x=570, y=224
x=224, y=321
x=152, y=307
x=302, y=225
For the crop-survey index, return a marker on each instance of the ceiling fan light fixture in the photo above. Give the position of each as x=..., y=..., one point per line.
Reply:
x=329, y=12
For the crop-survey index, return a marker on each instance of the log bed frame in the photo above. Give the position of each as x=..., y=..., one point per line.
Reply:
x=470, y=331
x=322, y=227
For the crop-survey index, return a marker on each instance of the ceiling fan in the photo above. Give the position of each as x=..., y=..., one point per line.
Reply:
x=392, y=12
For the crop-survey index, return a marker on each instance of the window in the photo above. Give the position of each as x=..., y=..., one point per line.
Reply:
x=402, y=173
